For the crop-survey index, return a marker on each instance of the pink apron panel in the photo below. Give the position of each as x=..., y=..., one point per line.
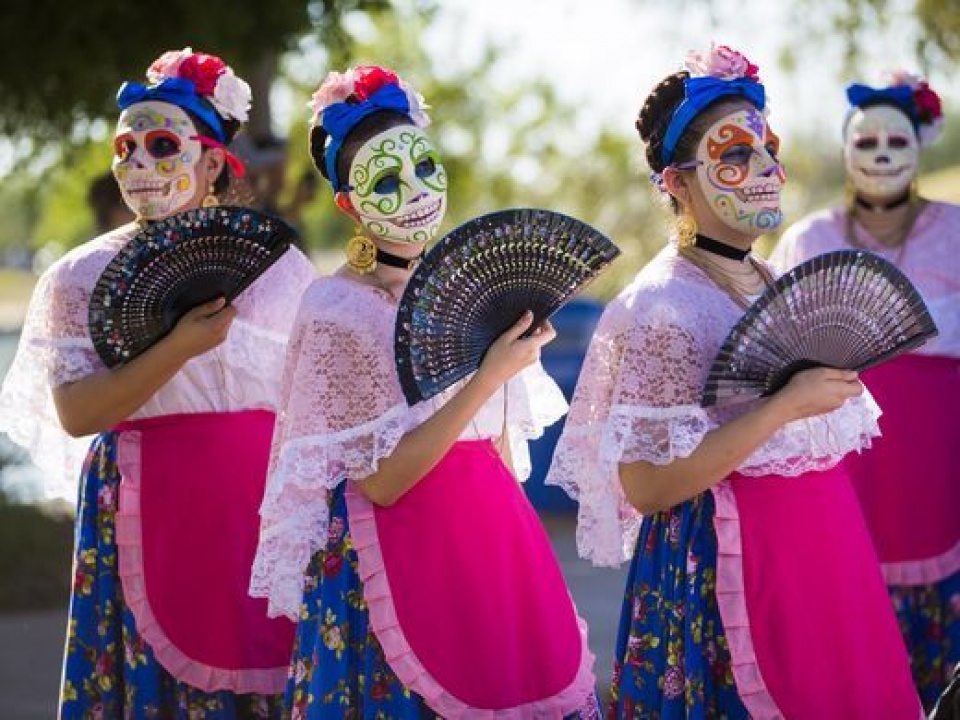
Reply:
x=467, y=597
x=909, y=482
x=811, y=630
x=187, y=528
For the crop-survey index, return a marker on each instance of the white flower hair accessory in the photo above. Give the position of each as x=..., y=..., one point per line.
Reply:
x=212, y=79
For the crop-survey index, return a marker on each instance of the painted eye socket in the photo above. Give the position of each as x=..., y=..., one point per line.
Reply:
x=123, y=147
x=387, y=185
x=866, y=143
x=426, y=167
x=898, y=142
x=162, y=144
x=737, y=155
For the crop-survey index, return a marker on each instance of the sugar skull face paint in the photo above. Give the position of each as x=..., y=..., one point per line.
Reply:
x=398, y=186
x=155, y=158
x=739, y=173
x=881, y=152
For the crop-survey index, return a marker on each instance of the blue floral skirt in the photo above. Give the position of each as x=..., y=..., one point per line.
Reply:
x=339, y=669
x=929, y=618
x=672, y=661
x=109, y=671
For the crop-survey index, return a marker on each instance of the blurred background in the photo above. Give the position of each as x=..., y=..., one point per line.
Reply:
x=533, y=105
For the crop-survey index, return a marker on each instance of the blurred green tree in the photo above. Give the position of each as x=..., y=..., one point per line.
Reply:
x=61, y=62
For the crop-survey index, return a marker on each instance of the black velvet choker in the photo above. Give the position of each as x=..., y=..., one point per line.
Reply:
x=879, y=207
x=718, y=248
x=396, y=261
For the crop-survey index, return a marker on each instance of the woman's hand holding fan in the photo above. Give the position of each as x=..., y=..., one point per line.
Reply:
x=478, y=281
x=848, y=309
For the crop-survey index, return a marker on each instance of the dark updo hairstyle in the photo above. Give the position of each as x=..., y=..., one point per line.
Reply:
x=654, y=119
x=368, y=127
x=230, y=129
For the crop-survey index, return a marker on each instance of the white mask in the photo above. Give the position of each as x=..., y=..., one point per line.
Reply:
x=155, y=159
x=739, y=173
x=881, y=152
x=398, y=186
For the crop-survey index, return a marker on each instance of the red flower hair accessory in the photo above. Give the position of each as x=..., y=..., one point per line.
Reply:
x=928, y=107
x=212, y=78
x=357, y=84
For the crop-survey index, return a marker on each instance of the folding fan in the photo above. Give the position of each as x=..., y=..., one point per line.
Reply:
x=174, y=265
x=478, y=280
x=846, y=309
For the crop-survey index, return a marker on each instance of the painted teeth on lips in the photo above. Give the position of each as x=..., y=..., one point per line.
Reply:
x=419, y=218
x=759, y=193
x=149, y=188
x=884, y=172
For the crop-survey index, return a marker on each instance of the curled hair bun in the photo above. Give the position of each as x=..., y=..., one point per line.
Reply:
x=655, y=115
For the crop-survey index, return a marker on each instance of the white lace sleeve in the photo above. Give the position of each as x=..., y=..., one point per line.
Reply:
x=55, y=349
x=636, y=399
x=535, y=403
x=341, y=412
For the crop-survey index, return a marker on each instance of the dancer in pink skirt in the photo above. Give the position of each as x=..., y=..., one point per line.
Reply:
x=422, y=579
x=909, y=484
x=754, y=589
x=161, y=624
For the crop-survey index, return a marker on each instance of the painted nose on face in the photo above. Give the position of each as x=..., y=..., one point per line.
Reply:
x=882, y=159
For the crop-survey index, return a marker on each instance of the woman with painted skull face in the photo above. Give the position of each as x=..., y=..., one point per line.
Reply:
x=753, y=589
x=160, y=621
x=397, y=535
x=909, y=484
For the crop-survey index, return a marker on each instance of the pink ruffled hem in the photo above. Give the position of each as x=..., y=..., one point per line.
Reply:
x=732, y=601
x=267, y=681
x=923, y=572
x=578, y=696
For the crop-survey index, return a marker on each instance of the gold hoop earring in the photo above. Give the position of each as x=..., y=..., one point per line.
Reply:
x=361, y=253
x=210, y=199
x=686, y=228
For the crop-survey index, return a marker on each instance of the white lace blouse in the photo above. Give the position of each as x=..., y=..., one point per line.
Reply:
x=638, y=398
x=55, y=348
x=343, y=410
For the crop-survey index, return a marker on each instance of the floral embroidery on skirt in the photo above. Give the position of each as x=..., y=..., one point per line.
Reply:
x=672, y=660
x=109, y=671
x=929, y=618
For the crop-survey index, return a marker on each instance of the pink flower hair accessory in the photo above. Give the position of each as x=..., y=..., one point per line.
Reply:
x=357, y=85
x=721, y=62
x=212, y=79
x=928, y=107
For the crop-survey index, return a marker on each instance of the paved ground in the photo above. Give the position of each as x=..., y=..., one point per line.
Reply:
x=31, y=643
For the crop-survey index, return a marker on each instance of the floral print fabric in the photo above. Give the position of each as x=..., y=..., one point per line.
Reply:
x=672, y=661
x=109, y=671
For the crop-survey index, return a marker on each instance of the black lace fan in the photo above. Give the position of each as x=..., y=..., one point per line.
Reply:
x=846, y=309
x=478, y=280
x=174, y=265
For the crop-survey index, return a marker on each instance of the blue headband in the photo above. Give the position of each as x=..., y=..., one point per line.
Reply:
x=699, y=92
x=176, y=91
x=340, y=118
x=899, y=95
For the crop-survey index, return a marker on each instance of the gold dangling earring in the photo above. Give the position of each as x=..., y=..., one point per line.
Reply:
x=849, y=196
x=361, y=253
x=686, y=228
x=914, y=191
x=210, y=199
